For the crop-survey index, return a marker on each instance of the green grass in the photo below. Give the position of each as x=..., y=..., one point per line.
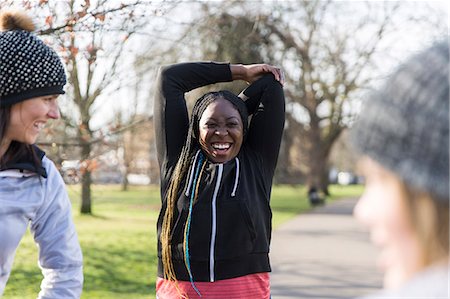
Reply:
x=118, y=244
x=119, y=240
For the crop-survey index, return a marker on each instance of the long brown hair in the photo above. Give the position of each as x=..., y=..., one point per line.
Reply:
x=16, y=150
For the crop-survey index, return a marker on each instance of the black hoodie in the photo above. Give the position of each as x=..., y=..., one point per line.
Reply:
x=230, y=229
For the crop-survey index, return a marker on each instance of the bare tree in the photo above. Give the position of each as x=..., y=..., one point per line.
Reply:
x=96, y=41
x=95, y=55
x=335, y=60
x=331, y=51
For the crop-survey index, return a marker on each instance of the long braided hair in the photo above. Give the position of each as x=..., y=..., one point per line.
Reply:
x=187, y=157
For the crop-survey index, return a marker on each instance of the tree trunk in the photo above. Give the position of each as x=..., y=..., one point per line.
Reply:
x=86, y=193
x=317, y=162
x=282, y=172
x=324, y=177
x=86, y=180
x=318, y=171
x=125, y=179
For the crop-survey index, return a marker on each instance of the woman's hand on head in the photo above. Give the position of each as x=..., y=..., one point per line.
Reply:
x=252, y=72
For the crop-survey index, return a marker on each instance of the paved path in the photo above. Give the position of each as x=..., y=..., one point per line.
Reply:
x=323, y=254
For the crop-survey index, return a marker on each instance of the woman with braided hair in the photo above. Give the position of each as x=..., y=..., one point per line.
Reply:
x=32, y=192
x=216, y=169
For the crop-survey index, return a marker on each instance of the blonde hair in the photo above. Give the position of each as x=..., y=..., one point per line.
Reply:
x=430, y=221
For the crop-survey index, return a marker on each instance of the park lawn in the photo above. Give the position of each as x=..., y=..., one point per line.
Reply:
x=119, y=240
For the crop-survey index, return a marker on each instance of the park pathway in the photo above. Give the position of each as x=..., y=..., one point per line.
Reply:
x=323, y=254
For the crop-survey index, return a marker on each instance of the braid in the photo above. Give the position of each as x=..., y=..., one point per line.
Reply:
x=193, y=198
x=181, y=168
x=167, y=224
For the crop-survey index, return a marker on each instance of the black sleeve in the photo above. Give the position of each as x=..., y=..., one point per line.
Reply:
x=170, y=114
x=265, y=101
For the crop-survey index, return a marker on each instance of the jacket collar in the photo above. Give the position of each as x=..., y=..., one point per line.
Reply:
x=26, y=163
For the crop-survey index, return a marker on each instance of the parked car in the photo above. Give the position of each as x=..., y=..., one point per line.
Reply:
x=138, y=179
x=346, y=178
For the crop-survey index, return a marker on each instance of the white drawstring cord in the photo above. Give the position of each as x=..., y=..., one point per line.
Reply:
x=236, y=179
x=191, y=177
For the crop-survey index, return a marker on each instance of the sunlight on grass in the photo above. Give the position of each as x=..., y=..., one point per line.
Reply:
x=118, y=242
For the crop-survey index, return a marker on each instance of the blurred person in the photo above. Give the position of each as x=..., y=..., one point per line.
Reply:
x=214, y=227
x=315, y=197
x=403, y=136
x=32, y=191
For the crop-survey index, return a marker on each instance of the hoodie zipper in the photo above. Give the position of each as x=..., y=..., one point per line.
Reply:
x=214, y=224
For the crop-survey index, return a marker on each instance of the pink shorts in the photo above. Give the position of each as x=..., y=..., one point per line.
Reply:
x=249, y=286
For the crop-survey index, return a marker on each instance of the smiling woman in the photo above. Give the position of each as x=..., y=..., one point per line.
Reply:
x=216, y=175
x=32, y=191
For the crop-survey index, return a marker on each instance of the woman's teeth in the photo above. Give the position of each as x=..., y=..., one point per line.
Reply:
x=221, y=146
x=39, y=126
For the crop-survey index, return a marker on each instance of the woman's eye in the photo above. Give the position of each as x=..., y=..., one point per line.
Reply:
x=211, y=126
x=232, y=125
x=48, y=99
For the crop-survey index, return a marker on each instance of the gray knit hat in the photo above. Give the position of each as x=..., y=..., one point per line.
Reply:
x=404, y=126
x=28, y=67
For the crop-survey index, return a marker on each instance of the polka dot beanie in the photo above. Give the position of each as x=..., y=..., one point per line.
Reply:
x=28, y=67
x=404, y=126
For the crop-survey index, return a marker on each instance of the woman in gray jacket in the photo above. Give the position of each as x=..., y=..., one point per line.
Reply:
x=32, y=191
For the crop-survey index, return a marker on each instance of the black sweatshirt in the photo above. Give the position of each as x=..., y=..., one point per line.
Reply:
x=231, y=221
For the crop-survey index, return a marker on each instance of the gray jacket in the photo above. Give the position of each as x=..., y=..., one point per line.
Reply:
x=27, y=198
x=433, y=283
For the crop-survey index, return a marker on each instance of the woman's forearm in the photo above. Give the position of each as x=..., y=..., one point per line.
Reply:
x=238, y=72
x=252, y=72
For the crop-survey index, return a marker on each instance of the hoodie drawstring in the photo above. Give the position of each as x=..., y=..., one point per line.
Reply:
x=191, y=176
x=236, y=179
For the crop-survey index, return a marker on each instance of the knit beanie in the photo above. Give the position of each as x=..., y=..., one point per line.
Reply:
x=28, y=67
x=404, y=126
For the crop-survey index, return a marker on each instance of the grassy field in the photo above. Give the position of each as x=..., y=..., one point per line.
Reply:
x=119, y=240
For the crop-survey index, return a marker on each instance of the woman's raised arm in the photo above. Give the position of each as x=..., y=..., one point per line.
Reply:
x=265, y=101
